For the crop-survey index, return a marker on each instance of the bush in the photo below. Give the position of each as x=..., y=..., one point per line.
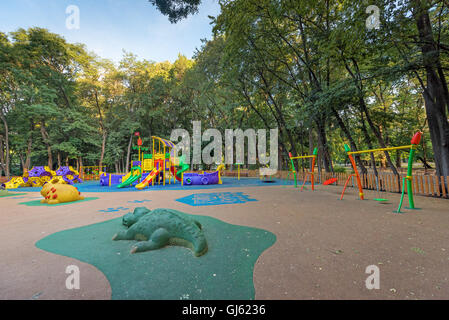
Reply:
x=338, y=169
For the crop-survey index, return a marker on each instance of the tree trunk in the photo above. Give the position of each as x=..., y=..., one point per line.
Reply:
x=311, y=144
x=377, y=134
x=45, y=137
x=103, y=148
x=369, y=144
x=351, y=141
x=28, y=154
x=322, y=143
x=5, y=157
x=398, y=159
x=2, y=155
x=80, y=162
x=363, y=108
x=128, y=154
x=103, y=129
x=435, y=92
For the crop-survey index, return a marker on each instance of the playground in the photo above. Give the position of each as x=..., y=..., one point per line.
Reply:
x=295, y=245
x=294, y=238
x=208, y=150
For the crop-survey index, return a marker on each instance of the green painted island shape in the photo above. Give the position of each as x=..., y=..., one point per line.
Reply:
x=225, y=272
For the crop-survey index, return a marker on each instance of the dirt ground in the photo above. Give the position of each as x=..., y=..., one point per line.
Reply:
x=323, y=245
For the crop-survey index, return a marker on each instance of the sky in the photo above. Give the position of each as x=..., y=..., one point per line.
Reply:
x=107, y=27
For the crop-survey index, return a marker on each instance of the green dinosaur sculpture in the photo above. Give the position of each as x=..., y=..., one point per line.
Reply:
x=160, y=227
x=131, y=218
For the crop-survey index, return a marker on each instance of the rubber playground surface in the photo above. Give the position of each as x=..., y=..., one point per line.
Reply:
x=266, y=241
x=94, y=186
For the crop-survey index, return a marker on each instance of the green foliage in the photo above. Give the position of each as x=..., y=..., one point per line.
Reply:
x=176, y=9
x=338, y=169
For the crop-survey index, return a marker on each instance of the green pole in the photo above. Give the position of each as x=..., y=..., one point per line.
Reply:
x=408, y=180
x=294, y=171
x=415, y=142
x=402, y=196
x=409, y=177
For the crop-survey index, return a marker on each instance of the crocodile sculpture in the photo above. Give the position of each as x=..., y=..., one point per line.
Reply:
x=60, y=193
x=131, y=218
x=157, y=228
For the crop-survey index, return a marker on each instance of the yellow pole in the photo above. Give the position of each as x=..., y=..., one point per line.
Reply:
x=164, y=165
x=302, y=157
x=154, y=164
x=380, y=149
x=152, y=181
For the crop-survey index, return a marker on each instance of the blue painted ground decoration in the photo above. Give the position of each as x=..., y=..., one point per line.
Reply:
x=215, y=199
x=109, y=210
x=139, y=201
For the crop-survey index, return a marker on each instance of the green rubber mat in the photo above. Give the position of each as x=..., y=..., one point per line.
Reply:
x=4, y=194
x=37, y=203
x=225, y=272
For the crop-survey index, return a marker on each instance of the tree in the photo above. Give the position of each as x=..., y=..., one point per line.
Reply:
x=176, y=10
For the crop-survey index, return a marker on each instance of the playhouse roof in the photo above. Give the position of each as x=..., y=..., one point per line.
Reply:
x=166, y=143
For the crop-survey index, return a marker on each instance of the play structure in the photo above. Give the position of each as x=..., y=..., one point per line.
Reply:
x=203, y=178
x=407, y=181
x=88, y=173
x=38, y=176
x=309, y=173
x=159, y=167
x=60, y=193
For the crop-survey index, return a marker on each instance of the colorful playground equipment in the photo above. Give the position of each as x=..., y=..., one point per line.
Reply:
x=407, y=181
x=88, y=173
x=203, y=178
x=330, y=181
x=238, y=169
x=60, y=193
x=310, y=173
x=38, y=176
x=68, y=175
x=161, y=166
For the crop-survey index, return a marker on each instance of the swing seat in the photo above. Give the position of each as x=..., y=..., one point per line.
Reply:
x=330, y=181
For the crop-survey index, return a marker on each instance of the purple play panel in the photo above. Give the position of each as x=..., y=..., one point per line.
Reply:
x=115, y=178
x=66, y=171
x=37, y=172
x=201, y=179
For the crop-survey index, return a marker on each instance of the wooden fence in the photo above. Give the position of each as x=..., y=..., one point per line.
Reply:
x=426, y=185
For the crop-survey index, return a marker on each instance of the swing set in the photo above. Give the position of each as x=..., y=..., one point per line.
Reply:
x=311, y=172
x=406, y=181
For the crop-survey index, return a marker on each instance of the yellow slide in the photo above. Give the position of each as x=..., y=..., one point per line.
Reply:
x=148, y=179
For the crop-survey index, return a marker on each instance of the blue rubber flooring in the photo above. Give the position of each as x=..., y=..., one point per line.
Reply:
x=228, y=182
